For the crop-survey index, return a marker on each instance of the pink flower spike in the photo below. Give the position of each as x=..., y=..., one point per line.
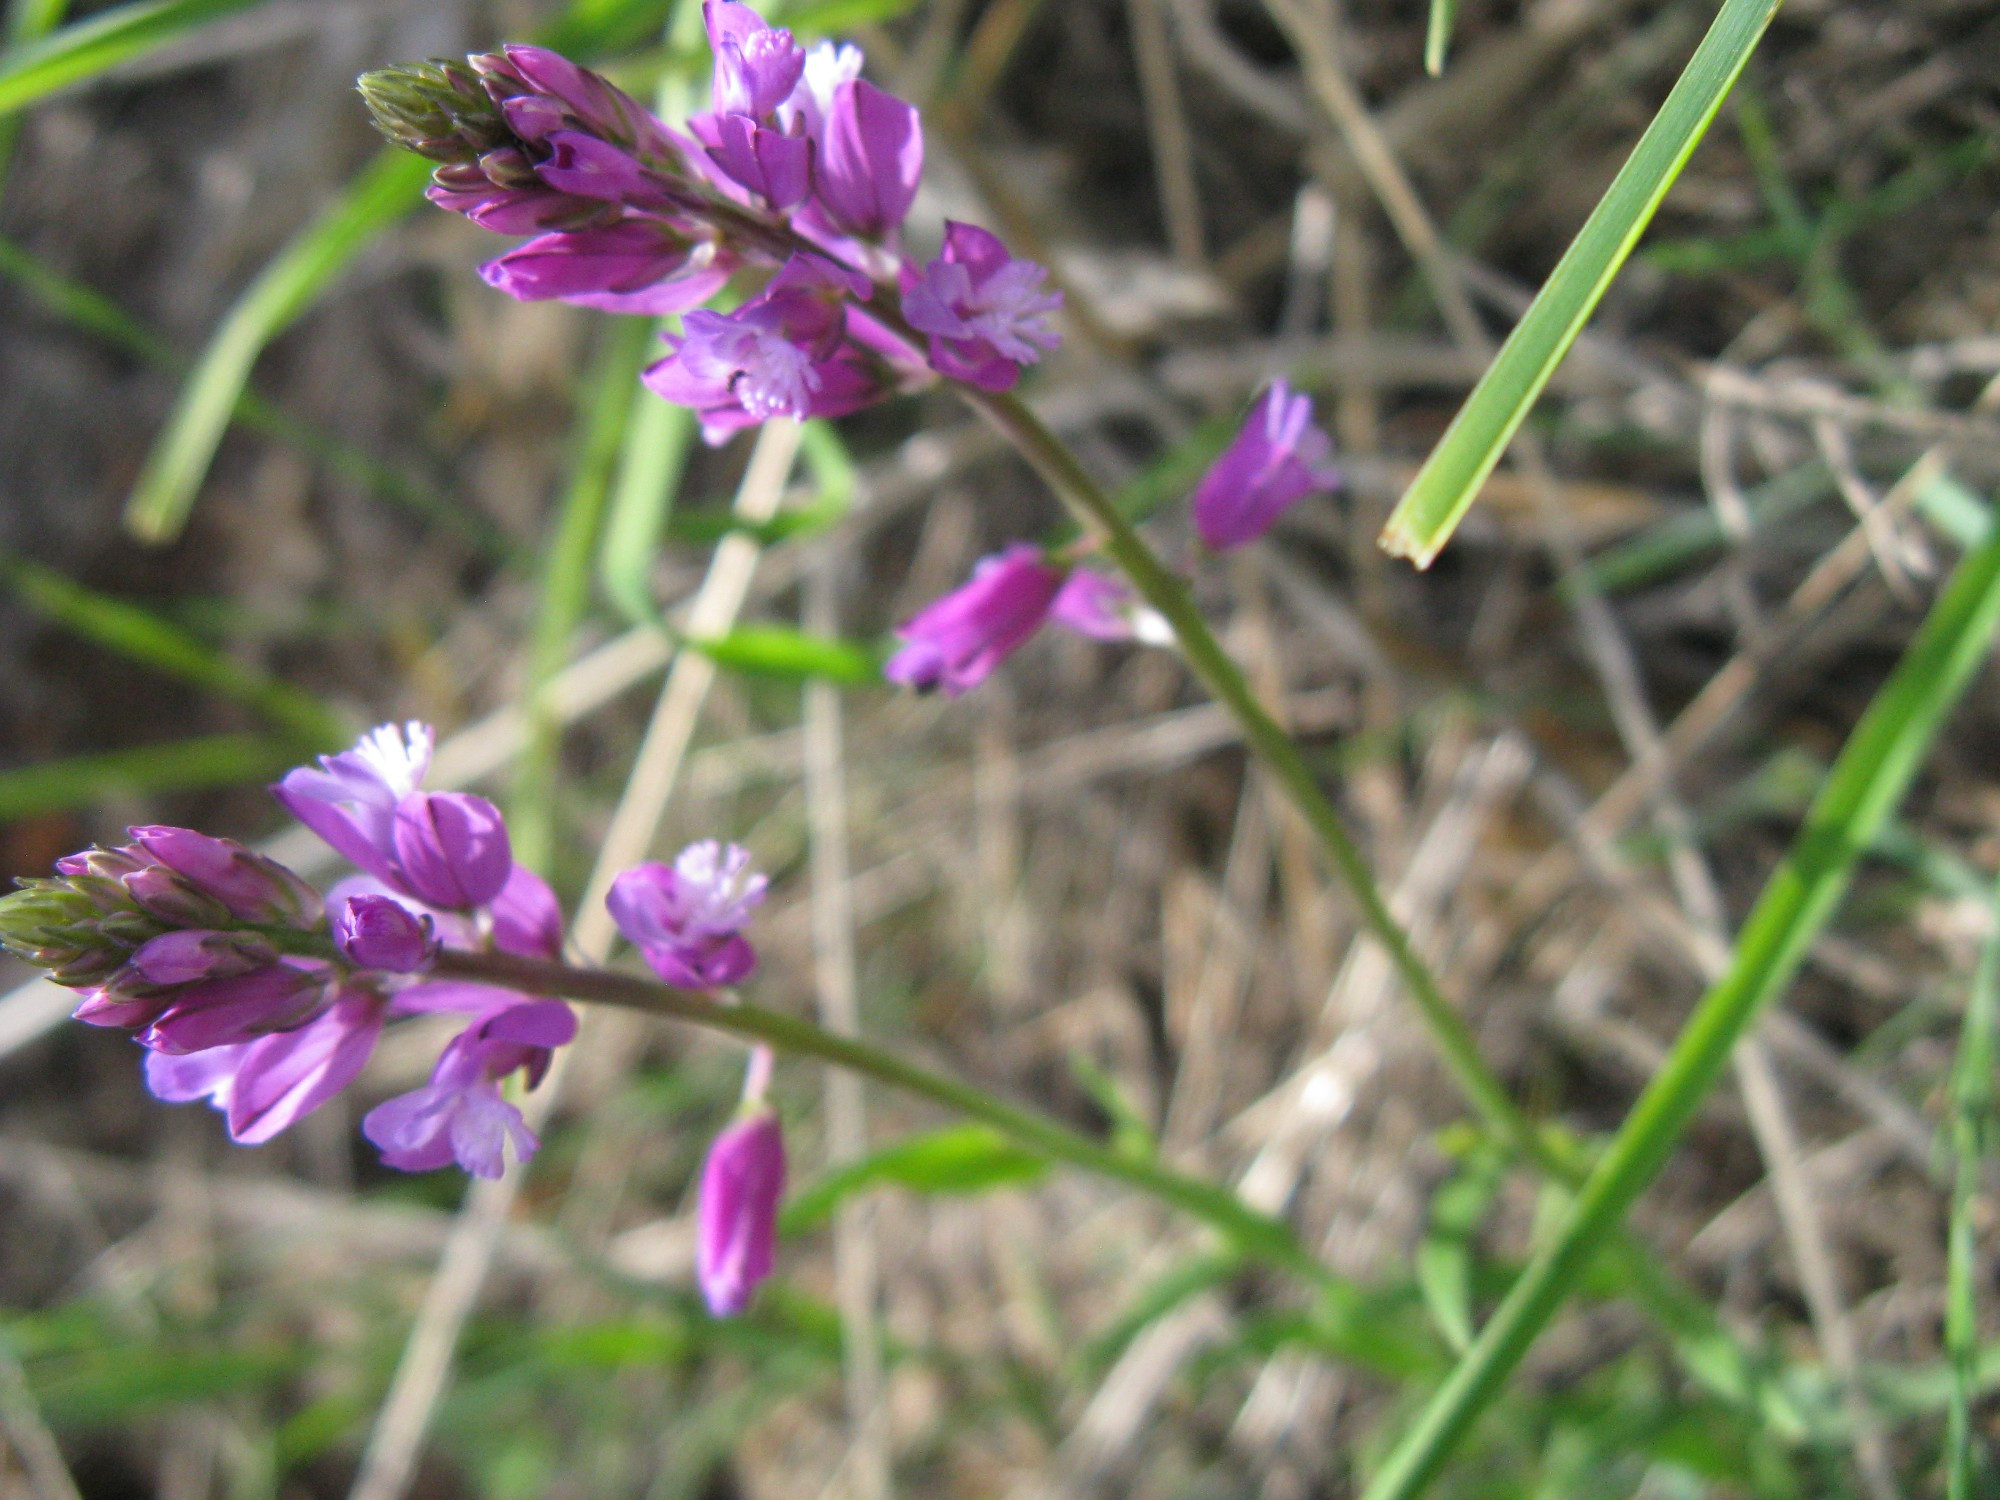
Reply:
x=954, y=643
x=1278, y=458
x=737, y=1217
x=986, y=312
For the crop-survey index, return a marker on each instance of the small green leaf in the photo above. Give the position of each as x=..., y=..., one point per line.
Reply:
x=957, y=1159
x=783, y=651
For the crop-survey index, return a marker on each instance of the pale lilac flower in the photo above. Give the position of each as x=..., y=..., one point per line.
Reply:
x=634, y=266
x=827, y=66
x=737, y=1215
x=1278, y=458
x=986, y=312
x=870, y=159
x=782, y=354
x=756, y=65
x=954, y=643
x=379, y=932
x=351, y=800
x=687, y=918
x=1095, y=605
x=460, y=1115
x=452, y=849
x=283, y=1078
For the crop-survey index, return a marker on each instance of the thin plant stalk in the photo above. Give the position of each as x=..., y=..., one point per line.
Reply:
x=1971, y=1127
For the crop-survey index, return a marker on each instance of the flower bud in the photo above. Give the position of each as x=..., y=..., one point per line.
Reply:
x=251, y=887
x=737, y=1218
x=189, y=956
x=377, y=932
x=452, y=848
x=438, y=109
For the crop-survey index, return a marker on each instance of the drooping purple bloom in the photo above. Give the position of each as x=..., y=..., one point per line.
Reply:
x=459, y=1115
x=687, y=918
x=737, y=1215
x=756, y=65
x=1278, y=458
x=379, y=932
x=870, y=159
x=779, y=355
x=634, y=266
x=283, y=1078
x=986, y=312
x=452, y=849
x=954, y=643
x=351, y=800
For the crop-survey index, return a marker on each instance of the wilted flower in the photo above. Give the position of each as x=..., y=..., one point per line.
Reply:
x=1278, y=458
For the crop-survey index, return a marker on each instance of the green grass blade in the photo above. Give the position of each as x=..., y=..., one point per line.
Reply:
x=37, y=68
x=642, y=502
x=1437, y=34
x=1449, y=481
x=179, y=462
x=28, y=21
x=99, y=315
x=957, y=1159
x=1866, y=782
x=144, y=637
x=607, y=413
x=142, y=771
x=1972, y=1125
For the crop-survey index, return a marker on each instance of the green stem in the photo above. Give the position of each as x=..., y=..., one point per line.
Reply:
x=1255, y=1233
x=1280, y=755
x=1972, y=1114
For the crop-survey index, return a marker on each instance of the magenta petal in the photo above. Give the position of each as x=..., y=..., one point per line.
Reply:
x=956, y=642
x=286, y=1077
x=453, y=848
x=198, y=1075
x=741, y=1183
x=527, y=919
x=872, y=159
x=457, y=996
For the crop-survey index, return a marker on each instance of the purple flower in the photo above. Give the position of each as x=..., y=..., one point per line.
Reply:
x=737, y=1218
x=756, y=66
x=351, y=800
x=452, y=848
x=1277, y=459
x=871, y=157
x=379, y=932
x=779, y=355
x=524, y=76
x=687, y=918
x=986, y=312
x=633, y=266
x=281, y=1079
x=218, y=1012
x=526, y=916
x=775, y=166
x=460, y=1116
x=828, y=65
x=954, y=643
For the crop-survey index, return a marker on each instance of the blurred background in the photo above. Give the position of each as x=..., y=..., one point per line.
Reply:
x=372, y=488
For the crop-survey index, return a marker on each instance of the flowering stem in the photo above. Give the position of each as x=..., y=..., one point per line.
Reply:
x=1254, y=1233
x=1269, y=742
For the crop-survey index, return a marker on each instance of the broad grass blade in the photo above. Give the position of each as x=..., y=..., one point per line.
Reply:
x=143, y=771
x=1874, y=770
x=385, y=190
x=1449, y=481
x=37, y=68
